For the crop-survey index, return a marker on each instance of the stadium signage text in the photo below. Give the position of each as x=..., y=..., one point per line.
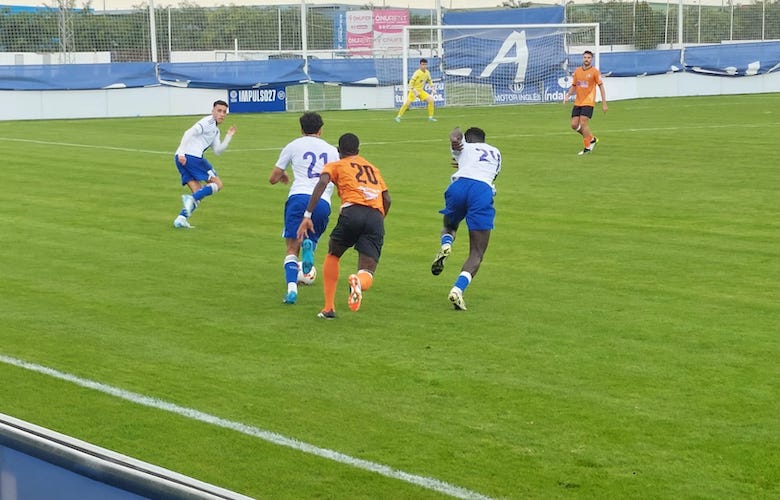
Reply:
x=257, y=100
x=439, y=98
x=257, y=95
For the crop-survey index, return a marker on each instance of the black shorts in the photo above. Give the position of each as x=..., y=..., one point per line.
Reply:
x=361, y=227
x=586, y=111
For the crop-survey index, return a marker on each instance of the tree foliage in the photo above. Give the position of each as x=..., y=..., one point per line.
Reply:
x=189, y=27
x=645, y=25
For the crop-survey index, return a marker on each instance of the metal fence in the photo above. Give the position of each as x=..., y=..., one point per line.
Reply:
x=643, y=26
x=67, y=34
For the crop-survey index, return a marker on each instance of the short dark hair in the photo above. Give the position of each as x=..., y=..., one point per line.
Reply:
x=349, y=144
x=424, y=61
x=311, y=122
x=220, y=101
x=474, y=134
x=587, y=52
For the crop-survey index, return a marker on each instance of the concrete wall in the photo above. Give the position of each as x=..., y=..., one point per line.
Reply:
x=689, y=84
x=172, y=101
x=110, y=103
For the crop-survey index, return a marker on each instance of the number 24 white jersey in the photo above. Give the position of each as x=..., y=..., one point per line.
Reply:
x=478, y=161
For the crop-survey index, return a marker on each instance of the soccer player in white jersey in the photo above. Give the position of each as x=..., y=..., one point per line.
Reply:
x=196, y=170
x=306, y=155
x=469, y=196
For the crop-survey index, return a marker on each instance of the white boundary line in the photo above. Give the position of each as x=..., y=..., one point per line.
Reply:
x=408, y=141
x=75, y=145
x=271, y=437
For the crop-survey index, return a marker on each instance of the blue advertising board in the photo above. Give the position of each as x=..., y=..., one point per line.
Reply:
x=550, y=89
x=340, y=31
x=257, y=100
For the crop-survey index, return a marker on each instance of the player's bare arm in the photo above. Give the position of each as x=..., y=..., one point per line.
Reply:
x=568, y=95
x=386, y=201
x=456, y=138
x=278, y=175
x=604, y=106
x=305, y=228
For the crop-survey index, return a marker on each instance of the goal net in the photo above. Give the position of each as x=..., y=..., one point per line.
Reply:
x=498, y=64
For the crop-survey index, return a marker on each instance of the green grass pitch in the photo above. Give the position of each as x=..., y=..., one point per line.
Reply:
x=622, y=338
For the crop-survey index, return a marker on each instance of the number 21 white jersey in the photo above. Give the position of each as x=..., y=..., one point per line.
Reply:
x=307, y=155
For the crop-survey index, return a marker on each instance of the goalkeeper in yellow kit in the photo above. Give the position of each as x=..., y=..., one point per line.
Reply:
x=417, y=91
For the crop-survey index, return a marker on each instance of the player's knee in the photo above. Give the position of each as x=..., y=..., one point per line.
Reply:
x=215, y=186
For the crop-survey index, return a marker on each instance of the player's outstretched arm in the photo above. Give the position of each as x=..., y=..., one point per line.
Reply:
x=456, y=138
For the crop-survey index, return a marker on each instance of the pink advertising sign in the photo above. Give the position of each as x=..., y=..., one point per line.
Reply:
x=388, y=29
x=360, y=31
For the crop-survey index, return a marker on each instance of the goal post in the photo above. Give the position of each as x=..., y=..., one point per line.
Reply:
x=498, y=63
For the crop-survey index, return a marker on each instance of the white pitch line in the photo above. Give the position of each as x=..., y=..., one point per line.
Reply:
x=89, y=146
x=411, y=141
x=271, y=437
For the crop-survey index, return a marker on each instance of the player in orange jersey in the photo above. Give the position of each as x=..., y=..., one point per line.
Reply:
x=584, y=82
x=365, y=202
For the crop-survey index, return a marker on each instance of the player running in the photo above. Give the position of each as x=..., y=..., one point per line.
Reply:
x=469, y=196
x=305, y=155
x=365, y=202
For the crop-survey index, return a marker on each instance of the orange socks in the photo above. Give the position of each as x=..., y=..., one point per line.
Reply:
x=586, y=141
x=330, y=276
x=366, y=279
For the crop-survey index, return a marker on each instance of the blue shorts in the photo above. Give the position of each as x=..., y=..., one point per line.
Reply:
x=196, y=169
x=293, y=215
x=471, y=200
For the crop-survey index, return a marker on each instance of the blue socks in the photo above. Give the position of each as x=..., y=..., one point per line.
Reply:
x=203, y=192
x=464, y=279
x=291, y=269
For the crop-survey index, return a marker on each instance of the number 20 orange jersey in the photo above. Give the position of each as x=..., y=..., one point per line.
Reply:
x=358, y=182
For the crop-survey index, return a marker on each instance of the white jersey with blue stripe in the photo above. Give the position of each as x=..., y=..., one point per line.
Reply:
x=201, y=136
x=307, y=155
x=478, y=161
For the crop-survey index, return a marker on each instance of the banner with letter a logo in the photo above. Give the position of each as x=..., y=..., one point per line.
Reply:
x=518, y=67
